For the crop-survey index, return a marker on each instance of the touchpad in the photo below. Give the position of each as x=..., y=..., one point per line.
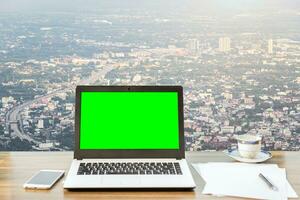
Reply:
x=121, y=180
x=129, y=180
x=111, y=180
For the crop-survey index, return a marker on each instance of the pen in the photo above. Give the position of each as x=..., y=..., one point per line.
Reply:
x=268, y=182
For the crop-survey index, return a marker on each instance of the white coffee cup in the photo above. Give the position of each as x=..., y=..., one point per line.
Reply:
x=248, y=145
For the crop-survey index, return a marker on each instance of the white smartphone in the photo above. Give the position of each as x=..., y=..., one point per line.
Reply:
x=44, y=179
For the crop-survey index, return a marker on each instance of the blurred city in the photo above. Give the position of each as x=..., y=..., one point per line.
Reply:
x=240, y=69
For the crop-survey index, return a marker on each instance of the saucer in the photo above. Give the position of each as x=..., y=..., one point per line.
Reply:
x=261, y=156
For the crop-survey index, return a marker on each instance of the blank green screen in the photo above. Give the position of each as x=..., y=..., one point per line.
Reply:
x=129, y=120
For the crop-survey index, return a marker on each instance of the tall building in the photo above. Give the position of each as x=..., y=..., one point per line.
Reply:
x=40, y=124
x=193, y=45
x=270, y=46
x=224, y=44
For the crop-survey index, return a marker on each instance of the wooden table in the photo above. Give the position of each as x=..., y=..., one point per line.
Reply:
x=17, y=167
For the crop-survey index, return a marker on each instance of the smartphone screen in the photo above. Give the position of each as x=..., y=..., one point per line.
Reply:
x=44, y=178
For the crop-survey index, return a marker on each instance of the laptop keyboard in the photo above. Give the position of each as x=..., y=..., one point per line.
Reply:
x=124, y=168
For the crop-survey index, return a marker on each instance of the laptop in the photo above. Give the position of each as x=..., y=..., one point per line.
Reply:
x=129, y=137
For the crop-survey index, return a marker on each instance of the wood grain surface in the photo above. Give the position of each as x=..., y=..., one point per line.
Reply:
x=17, y=167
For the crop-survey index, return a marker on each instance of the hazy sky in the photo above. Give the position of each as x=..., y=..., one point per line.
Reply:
x=194, y=6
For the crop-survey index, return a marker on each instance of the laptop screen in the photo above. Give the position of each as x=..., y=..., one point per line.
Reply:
x=129, y=120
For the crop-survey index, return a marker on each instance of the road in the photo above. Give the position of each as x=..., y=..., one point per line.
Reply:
x=14, y=114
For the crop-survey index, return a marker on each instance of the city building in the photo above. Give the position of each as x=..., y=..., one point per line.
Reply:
x=270, y=46
x=224, y=44
x=193, y=45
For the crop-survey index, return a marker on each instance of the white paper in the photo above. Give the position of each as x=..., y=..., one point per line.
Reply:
x=241, y=179
x=290, y=191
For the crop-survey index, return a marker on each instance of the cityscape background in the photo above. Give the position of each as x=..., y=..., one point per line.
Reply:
x=238, y=61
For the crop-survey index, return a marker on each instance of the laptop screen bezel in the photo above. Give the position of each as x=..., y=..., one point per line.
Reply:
x=128, y=153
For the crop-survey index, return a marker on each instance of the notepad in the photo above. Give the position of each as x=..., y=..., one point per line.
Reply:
x=241, y=180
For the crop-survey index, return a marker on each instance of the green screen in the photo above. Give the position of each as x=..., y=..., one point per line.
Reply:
x=129, y=120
